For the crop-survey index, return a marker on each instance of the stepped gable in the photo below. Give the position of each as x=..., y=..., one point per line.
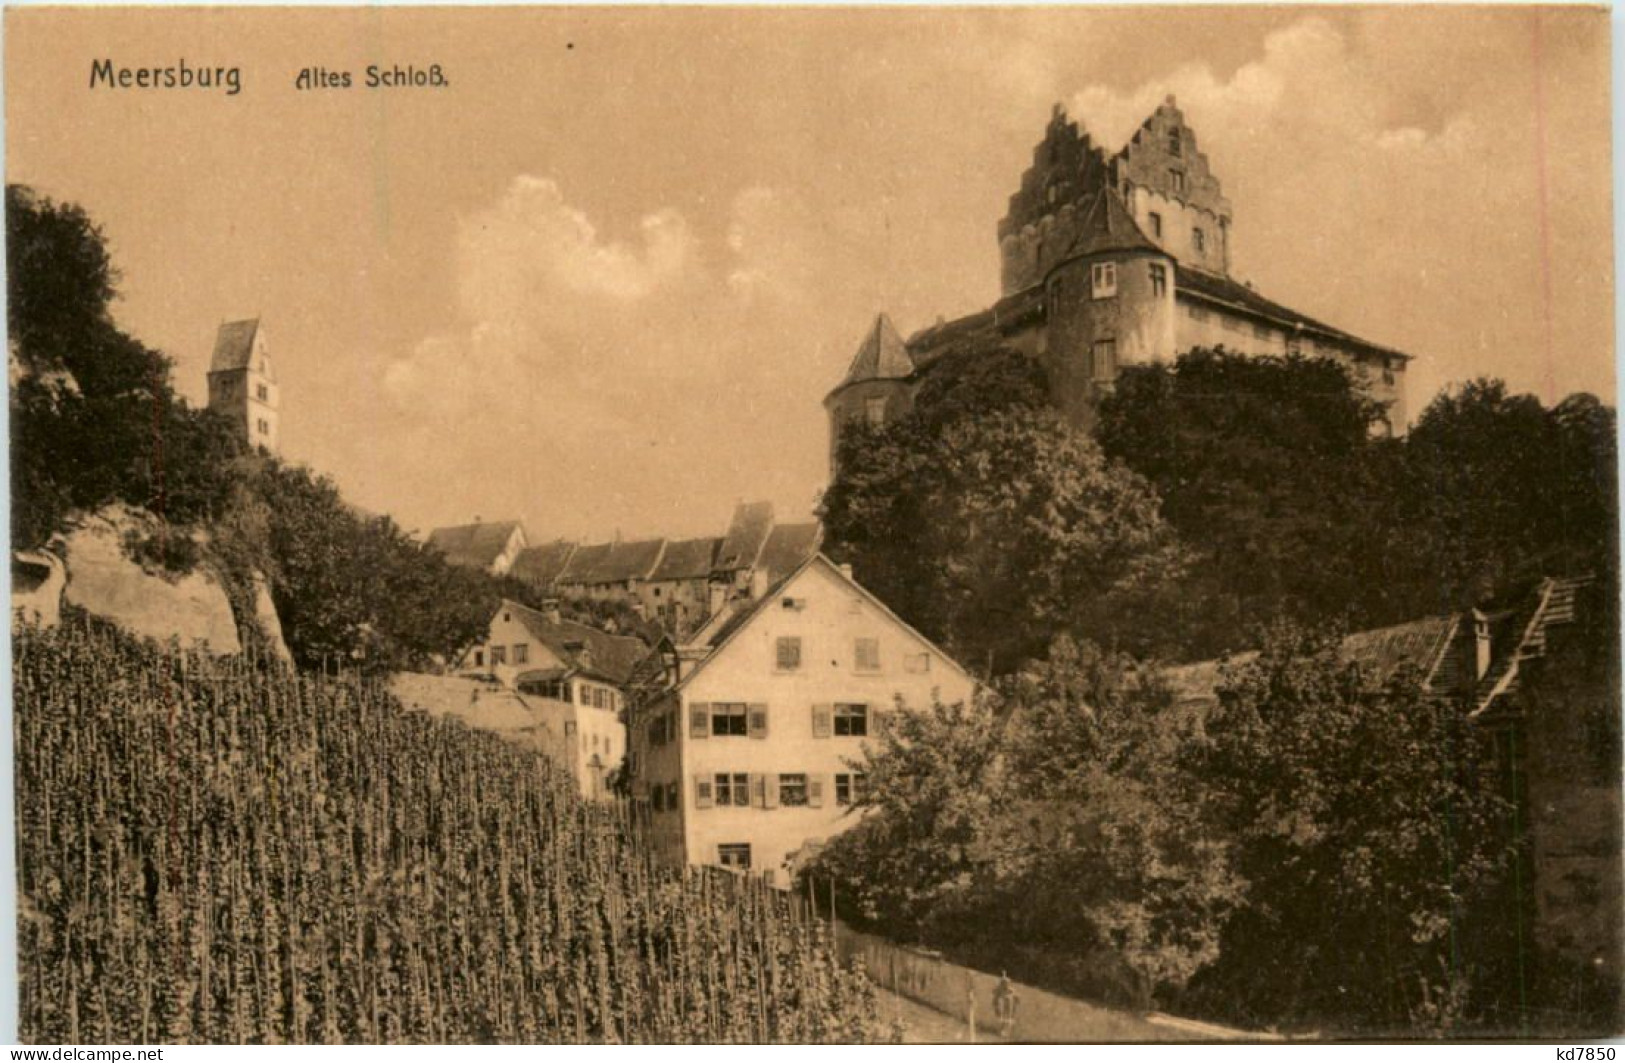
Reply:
x=234, y=346
x=1163, y=146
x=881, y=356
x=686, y=559
x=541, y=565
x=747, y=533
x=1067, y=168
x=473, y=545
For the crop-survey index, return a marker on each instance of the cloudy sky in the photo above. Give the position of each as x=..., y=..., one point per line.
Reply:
x=602, y=281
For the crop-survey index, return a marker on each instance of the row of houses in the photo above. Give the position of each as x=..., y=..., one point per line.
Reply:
x=679, y=582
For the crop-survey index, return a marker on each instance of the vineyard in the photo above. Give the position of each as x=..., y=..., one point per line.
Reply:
x=213, y=851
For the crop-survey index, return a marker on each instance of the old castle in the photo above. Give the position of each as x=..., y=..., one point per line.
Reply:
x=1107, y=263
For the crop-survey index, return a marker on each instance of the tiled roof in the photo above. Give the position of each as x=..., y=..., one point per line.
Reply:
x=541, y=565
x=1108, y=226
x=234, y=345
x=473, y=545
x=686, y=559
x=586, y=559
x=1232, y=293
x=611, y=656
x=881, y=356
x=787, y=547
x=748, y=531
x=613, y=562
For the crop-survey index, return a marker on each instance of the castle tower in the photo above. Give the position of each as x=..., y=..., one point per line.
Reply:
x=875, y=390
x=242, y=383
x=1173, y=195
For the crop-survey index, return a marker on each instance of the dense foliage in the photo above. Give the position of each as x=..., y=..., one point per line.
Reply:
x=213, y=854
x=989, y=522
x=1097, y=834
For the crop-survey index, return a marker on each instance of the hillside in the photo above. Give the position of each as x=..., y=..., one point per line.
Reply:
x=212, y=853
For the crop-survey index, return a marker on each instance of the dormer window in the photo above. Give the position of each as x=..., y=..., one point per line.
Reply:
x=1103, y=280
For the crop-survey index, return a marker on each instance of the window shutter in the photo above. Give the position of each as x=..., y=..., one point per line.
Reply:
x=758, y=721
x=758, y=789
x=699, y=720
x=770, y=791
x=702, y=792
x=815, y=791
x=822, y=714
x=879, y=722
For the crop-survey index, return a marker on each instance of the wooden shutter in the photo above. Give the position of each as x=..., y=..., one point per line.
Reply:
x=878, y=722
x=699, y=719
x=758, y=721
x=702, y=791
x=821, y=717
x=770, y=791
x=815, y=791
x=758, y=789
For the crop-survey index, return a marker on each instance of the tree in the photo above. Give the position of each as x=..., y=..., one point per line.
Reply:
x=1363, y=824
x=989, y=522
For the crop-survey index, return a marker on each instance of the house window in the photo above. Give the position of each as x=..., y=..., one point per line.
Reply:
x=792, y=790
x=1103, y=280
x=917, y=663
x=479, y=658
x=794, y=604
x=1105, y=359
x=1199, y=240
x=658, y=798
x=728, y=719
x=852, y=721
x=1176, y=178
x=866, y=653
x=733, y=789
x=736, y=856
x=848, y=788
x=1159, y=277
x=1173, y=142
x=521, y=653
x=874, y=411
x=788, y=653
x=1156, y=224
x=499, y=655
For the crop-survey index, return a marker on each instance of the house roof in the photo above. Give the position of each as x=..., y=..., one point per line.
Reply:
x=747, y=533
x=473, y=545
x=615, y=562
x=787, y=547
x=723, y=633
x=234, y=345
x=881, y=356
x=1554, y=603
x=541, y=565
x=611, y=657
x=686, y=559
x=1233, y=294
x=587, y=558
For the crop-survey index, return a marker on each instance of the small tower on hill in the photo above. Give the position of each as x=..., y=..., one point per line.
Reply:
x=242, y=383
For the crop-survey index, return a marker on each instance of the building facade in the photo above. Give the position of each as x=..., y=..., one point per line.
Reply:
x=1106, y=263
x=242, y=384
x=750, y=747
x=490, y=546
x=572, y=677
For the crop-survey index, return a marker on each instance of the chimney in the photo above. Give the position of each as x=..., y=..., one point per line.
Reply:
x=1481, y=642
x=758, y=583
x=550, y=609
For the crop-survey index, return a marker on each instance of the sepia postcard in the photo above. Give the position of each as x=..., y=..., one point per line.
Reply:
x=812, y=525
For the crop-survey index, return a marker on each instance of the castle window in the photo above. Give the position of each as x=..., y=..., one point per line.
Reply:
x=263, y=426
x=1199, y=240
x=1105, y=367
x=1176, y=178
x=1103, y=279
x=1173, y=142
x=1156, y=224
x=262, y=393
x=1159, y=278
x=874, y=411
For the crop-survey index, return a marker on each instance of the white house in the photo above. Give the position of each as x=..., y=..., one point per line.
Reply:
x=746, y=754
x=572, y=676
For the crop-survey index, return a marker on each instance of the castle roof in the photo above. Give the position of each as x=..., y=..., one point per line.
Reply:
x=1223, y=290
x=541, y=565
x=686, y=559
x=747, y=533
x=234, y=345
x=473, y=545
x=1108, y=225
x=787, y=547
x=881, y=356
